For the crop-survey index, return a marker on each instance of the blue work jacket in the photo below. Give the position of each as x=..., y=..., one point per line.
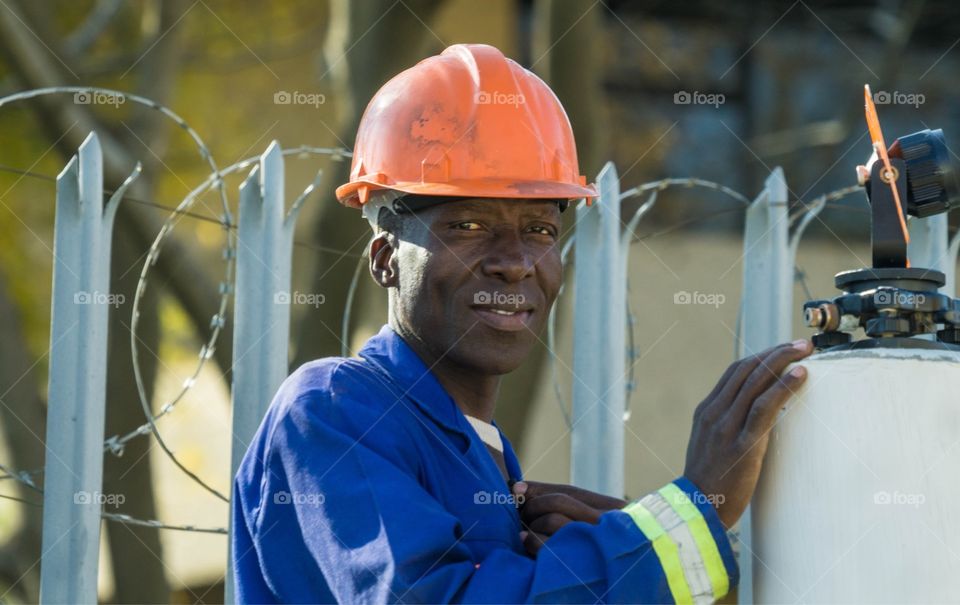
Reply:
x=366, y=483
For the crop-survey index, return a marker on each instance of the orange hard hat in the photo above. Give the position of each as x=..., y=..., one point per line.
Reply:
x=466, y=123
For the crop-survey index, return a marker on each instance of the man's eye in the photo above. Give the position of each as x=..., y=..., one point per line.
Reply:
x=549, y=231
x=467, y=226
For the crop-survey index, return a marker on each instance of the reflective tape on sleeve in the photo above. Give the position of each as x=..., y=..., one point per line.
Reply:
x=665, y=548
x=707, y=547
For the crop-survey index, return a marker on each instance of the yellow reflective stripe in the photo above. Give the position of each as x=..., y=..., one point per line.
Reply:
x=709, y=552
x=665, y=548
x=693, y=568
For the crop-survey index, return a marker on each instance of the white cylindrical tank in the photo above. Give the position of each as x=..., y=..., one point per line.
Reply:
x=859, y=499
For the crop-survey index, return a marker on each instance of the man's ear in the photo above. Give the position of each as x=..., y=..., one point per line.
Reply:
x=383, y=264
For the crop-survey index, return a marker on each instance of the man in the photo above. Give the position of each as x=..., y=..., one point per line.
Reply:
x=384, y=477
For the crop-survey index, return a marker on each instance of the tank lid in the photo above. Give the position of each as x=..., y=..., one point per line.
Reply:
x=908, y=278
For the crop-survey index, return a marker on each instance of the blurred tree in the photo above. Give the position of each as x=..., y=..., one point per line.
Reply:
x=368, y=43
x=781, y=61
x=565, y=54
x=23, y=421
x=27, y=44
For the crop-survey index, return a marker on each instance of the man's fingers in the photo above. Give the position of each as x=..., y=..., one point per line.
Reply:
x=765, y=374
x=737, y=375
x=764, y=411
x=527, y=490
x=558, y=503
x=723, y=379
x=552, y=503
x=530, y=490
x=593, y=499
x=532, y=541
x=548, y=524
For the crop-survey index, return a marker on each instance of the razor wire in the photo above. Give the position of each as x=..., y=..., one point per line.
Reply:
x=25, y=478
x=215, y=180
x=654, y=187
x=806, y=215
x=115, y=444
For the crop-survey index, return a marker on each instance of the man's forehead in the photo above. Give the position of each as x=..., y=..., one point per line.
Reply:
x=502, y=205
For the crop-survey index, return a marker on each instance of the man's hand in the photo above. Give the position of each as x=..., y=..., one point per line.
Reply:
x=731, y=426
x=546, y=507
x=727, y=445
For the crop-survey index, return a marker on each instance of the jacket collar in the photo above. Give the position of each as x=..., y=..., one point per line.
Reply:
x=393, y=355
x=390, y=353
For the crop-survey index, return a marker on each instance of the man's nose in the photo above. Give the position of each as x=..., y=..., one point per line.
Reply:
x=508, y=258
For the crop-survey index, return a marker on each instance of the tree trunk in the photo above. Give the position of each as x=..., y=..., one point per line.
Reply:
x=23, y=422
x=377, y=40
x=568, y=58
x=136, y=552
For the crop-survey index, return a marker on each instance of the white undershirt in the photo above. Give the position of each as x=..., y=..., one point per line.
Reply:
x=488, y=433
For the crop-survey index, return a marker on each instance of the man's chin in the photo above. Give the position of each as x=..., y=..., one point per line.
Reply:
x=503, y=368
x=497, y=356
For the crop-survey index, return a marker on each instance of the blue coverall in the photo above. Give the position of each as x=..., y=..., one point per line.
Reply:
x=366, y=483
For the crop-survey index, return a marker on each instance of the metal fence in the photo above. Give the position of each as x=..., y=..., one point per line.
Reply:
x=257, y=280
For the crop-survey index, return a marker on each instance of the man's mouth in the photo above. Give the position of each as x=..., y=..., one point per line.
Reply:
x=507, y=319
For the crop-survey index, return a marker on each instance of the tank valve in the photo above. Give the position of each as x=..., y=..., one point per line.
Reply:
x=892, y=301
x=825, y=316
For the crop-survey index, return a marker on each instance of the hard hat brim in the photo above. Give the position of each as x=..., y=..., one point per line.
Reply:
x=355, y=194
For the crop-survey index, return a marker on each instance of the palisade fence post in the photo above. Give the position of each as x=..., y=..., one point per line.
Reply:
x=766, y=306
x=599, y=343
x=261, y=332
x=73, y=466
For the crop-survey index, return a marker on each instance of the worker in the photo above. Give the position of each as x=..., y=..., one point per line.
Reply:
x=384, y=477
